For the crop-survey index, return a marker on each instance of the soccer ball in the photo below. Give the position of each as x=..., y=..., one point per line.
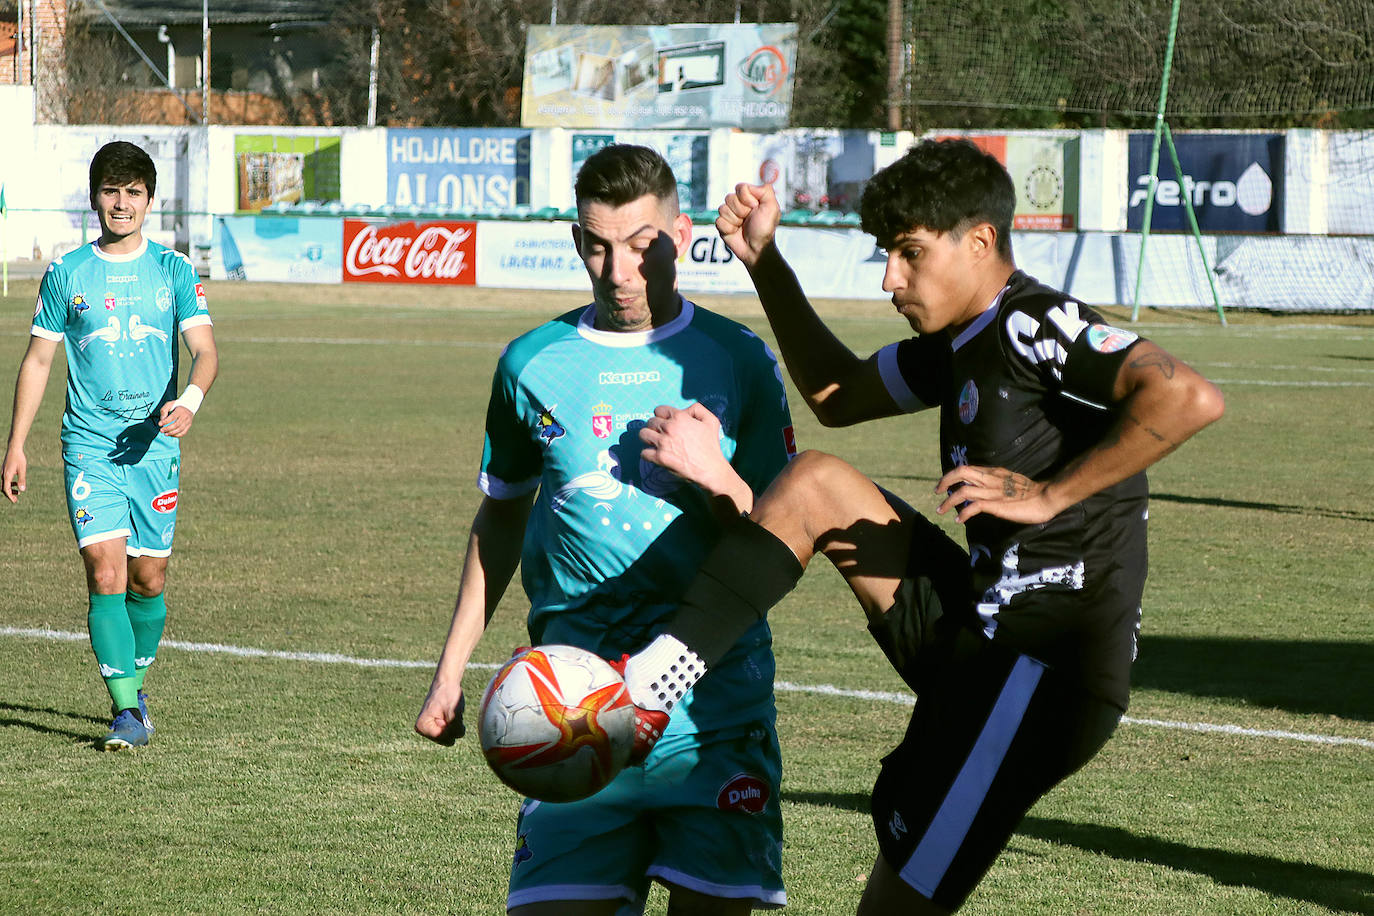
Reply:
x=556, y=723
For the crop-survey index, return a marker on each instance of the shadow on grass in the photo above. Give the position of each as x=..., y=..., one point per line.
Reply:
x=1348, y=515
x=1336, y=889
x=1324, y=678
x=81, y=737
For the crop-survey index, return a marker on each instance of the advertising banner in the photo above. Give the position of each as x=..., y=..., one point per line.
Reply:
x=609, y=76
x=688, y=155
x=474, y=169
x=275, y=169
x=281, y=249
x=1350, y=188
x=815, y=169
x=534, y=255
x=428, y=252
x=1229, y=178
x=1044, y=170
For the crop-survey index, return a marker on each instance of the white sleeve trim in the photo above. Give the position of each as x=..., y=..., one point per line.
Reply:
x=497, y=488
x=44, y=333
x=896, y=385
x=194, y=321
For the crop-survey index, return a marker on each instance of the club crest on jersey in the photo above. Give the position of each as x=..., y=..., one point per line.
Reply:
x=110, y=303
x=602, y=423
x=165, y=501
x=79, y=303
x=789, y=441
x=548, y=428
x=1106, y=339
x=83, y=516
x=968, y=402
x=163, y=299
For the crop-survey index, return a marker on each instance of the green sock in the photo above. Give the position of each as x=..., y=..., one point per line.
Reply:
x=147, y=616
x=112, y=640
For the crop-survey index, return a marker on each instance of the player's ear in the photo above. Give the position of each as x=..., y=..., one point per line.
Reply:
x=682, y=233
x=982, y=240
x=577, y=238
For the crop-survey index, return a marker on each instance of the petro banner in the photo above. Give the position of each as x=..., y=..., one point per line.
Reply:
x=1232, y=180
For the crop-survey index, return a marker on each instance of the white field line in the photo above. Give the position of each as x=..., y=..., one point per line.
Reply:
x=876, y=696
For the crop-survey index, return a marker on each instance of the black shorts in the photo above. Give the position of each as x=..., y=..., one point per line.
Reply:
x=992, y=732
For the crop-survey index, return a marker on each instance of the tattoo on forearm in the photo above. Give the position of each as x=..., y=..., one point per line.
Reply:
x=1159, y=359
x=1154, y=433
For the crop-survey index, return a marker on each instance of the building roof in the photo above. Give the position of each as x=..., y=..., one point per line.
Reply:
x=134, y=13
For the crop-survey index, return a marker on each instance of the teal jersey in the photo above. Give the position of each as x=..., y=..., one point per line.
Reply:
x=119, y=316
x=613, y=540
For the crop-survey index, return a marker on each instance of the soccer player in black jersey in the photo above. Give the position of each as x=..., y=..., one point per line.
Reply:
x=1018, y=647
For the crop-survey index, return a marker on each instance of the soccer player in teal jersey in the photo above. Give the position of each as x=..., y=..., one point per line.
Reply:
x=118, y=304
x=618, y=438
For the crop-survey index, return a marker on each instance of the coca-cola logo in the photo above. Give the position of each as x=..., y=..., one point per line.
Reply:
x=439, y=252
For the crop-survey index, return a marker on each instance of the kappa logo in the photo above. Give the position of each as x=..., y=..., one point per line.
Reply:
x=165, y=501
x=743, y=793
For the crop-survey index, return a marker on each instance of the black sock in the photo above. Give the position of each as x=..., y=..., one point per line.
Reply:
x=747, y=572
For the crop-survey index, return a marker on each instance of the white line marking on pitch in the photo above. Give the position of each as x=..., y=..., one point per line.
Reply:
x=881, y=696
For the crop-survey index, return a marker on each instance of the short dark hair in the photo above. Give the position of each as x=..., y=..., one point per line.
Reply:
x=623, y=173
x=943, y=186
x=121, y=163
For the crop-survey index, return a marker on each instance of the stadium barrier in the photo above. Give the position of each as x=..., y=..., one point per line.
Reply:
x=1287, y=217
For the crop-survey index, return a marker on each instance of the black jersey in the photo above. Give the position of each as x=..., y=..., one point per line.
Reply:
x=1027, y=387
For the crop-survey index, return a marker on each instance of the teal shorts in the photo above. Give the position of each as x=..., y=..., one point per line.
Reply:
x=133, y=501
x=702, y=813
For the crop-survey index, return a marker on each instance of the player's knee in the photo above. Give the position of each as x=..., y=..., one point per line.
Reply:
x=809, y=482
x=147, y=582
x=104, y=578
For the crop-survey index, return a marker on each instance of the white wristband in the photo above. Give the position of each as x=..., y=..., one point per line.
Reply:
x=661, y=673
x=190, y=398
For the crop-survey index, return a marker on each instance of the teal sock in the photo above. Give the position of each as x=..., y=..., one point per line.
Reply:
x=112, y=640
x=147, y=617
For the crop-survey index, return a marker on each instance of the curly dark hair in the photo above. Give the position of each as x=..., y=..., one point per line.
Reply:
x=943, y=186
x=623, y=173
x=121, y=163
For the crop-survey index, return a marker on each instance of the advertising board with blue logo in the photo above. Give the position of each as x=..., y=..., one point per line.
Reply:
x=475, y=169
x=282, y=249
x=1233, y=181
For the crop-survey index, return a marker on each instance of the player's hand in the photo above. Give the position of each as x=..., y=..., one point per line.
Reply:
x=174, y=420
x=686, y=441
x=14, y=477
x=1005, y=494
x=441, y=717
x=748, y=221
x=649, y=724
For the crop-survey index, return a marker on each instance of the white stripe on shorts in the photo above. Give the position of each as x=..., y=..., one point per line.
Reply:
x=928, y=864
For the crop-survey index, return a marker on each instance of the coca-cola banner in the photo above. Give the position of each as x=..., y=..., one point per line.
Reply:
x=479, y=169
x=700, y=75
x=429, y=252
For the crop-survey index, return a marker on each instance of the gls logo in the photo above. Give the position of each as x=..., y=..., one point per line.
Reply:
x=707, y=250
x=1253, y=193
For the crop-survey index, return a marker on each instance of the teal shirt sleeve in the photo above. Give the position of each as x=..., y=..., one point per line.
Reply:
x=51, y=313
x=511, y=459
x=187, y=291
x=765, y=440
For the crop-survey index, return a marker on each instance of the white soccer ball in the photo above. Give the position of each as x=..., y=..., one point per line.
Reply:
x=556, y=723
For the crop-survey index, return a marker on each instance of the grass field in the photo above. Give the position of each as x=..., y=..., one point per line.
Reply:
x=327, y=489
